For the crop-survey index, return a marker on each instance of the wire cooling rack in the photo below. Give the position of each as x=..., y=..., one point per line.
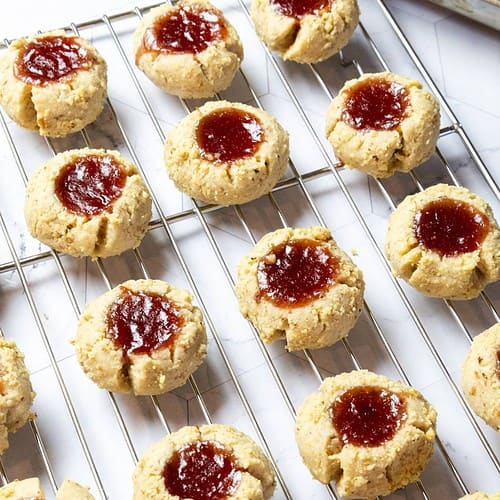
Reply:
x=96, y=437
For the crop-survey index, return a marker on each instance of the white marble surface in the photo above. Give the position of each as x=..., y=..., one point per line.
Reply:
x=464, y=60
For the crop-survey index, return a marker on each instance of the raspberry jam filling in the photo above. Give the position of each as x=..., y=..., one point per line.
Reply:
x=450, y=227
x=299, y=8
x=229, y=134
x=203, y=470
x=367, y=416
x=295, y=273
x=187, y=29
x=140, y=322
x=90, y=184
x=375, y=104
x=50, y=58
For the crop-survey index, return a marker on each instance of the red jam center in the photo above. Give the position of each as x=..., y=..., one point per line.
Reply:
x=367, y=416
x=299, y=8
x=185, y=30
x=90, y=184
x=375, y=104
x=139, y=322
x=450, y=227
x=229, y=134
x=51, y=58
x=203, y=470
x=294, y=273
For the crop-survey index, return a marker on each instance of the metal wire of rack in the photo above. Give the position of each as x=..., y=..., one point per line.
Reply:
x=201, y=214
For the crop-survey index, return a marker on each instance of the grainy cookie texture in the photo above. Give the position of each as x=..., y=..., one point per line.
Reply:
x=62, y=105
x=454, y=276
x=212, y=180
x=16, y=393
x=481, y=376
x=323, y=319
x=26, y=489
x=381, y=152
x=256, y=477
x=362, y=471
x=159, y=369
x=188, y=73
x=307, y=38
x=71, y=490
x=31, y=489
x=119, y=226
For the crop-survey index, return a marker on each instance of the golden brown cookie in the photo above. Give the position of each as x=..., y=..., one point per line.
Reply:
x=214, y=458
x=88, y=202
x=53, y=83
x=144, y=336
x=226, y=153
x=380, y=123
x=188, y=49
x=71, y=490
x=369, y=434
x=31, y=489
x=444, y=242
x=297, y=284
x=26, y=489
x=16, y=393
x=305, y=32
x=481, y=376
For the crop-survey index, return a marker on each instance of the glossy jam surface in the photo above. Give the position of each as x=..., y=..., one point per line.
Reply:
x=202, y=470
x=375, y=104
x=90, y=184
x=367, y=415
x=299, y=8
x=185, y=30
x=294, y=273
x=140, y=323
x=450, y=227
x=229, y=134
x=51, y=58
